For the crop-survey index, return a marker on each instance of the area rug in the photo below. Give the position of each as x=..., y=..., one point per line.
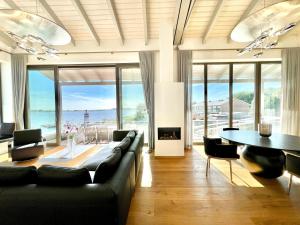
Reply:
x=64, y=154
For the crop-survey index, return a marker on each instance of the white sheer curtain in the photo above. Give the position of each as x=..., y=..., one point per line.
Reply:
x=290, y=116
x=147, y=73
x=18, y=70
x=185, y=75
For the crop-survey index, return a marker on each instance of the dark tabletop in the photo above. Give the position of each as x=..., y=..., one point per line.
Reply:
x=276, y=141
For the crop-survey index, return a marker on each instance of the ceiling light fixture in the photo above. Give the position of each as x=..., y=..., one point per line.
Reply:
x=264, y=27
x=33, y=33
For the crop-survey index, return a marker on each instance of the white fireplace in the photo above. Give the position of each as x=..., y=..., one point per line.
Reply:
x=169, y=119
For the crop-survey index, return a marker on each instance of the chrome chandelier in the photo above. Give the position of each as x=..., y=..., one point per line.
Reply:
x=33, y=33
x=264, y=27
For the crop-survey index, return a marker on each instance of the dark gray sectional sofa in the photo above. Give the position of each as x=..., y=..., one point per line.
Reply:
x=65, y=196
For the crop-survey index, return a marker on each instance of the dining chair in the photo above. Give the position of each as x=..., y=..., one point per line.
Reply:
x=292, y=166
x=215, y=149
x=231, y=128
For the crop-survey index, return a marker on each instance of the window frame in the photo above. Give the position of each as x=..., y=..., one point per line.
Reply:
x=118, y=67
x=1, y=97
x=257, y=89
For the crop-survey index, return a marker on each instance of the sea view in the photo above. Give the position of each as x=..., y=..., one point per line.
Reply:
x=46, y=119
x=100, y=102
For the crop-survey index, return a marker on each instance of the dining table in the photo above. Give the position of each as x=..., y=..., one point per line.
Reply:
x=263, y=156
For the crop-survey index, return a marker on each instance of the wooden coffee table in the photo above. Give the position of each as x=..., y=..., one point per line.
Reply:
x=72, y=162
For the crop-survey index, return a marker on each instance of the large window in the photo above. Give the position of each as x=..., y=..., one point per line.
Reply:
x=133, y=108
x=198, y=103
x=88, y=102
x=41, y=102
x=235, y=95
x=270, y=94
x=243, y=91
x=217, y=98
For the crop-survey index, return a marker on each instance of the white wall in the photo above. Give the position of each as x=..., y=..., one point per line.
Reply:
x=166, y=51
x=169, y=112
x=7, y=92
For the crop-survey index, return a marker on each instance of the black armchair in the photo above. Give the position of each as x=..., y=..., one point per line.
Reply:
x=28, y=144
x=214, y=148
x=231, y=128
x=7, y=130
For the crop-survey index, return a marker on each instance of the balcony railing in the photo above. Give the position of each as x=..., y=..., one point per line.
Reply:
x=214, y=127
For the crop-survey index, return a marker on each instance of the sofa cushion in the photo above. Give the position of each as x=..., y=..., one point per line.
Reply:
x=119, y=135
x=63, y=176
x=124, y=145
x=137, y=148
x=93, y=162
x=131, y=134
x=12, y=175
x=107, y=167
x=25, y=152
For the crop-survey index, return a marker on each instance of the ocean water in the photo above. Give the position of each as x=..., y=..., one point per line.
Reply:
x=46, y=119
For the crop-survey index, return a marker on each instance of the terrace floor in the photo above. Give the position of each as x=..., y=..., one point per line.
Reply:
x=174, y=191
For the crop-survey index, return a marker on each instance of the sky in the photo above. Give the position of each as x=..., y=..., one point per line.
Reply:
x=41, y=92
x=80, y=97
x=97, y=97
x=220, y=91
x=217, y=91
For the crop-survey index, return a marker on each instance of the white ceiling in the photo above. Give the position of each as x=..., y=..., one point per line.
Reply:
x=96, y=74
x=127, y=20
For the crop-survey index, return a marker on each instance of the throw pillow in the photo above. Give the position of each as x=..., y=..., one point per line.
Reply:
x=124, y=145
x=131, y=134
x=107, y=167
x=12, y=175
x=63, y=176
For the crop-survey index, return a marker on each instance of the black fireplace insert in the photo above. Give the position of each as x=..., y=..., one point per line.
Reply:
x=169, y=133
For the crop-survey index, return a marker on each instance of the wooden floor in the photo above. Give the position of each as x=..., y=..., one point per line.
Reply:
x=176, y=191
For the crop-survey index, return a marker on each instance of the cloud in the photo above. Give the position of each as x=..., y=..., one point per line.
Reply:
x=80, y=102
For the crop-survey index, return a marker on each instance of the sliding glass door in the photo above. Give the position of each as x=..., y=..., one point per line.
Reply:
x=198, y=106
x=133, y=108
x=217, y=98
x=41, y=107
x=243, y=96
x=271, y=94
x=88, y=103
x=235, y=95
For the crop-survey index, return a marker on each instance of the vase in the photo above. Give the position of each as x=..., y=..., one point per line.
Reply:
x=70, y=146
x=265, y=129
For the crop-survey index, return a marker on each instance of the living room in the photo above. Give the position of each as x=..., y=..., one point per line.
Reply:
x=149, y=112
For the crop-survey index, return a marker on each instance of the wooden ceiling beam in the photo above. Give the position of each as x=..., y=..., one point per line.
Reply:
x=246, y=13
x=77, y=4
x=4, y=37
x=213, y=20
x=54, y=17
x=145, y=20
x=12, y=4
x=115, y=18
x=183, y=12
